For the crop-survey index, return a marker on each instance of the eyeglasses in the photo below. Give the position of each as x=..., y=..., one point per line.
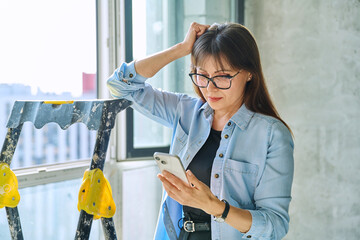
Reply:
x=221, y=82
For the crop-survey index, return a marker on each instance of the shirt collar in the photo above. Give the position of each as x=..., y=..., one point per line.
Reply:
x=241, y=118
x=207, y=109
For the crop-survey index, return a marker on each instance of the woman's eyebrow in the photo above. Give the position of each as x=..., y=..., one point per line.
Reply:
x=199, y=68
x=221, y=70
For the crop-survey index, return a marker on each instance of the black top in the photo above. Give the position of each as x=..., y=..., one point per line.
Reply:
x=201, y=167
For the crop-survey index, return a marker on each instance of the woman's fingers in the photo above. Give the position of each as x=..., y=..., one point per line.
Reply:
x=201, y=29
x=195, y=31
x=191, y=177
x=171, y=188
x=193, y=180
x=196, y=194
x=180, y=184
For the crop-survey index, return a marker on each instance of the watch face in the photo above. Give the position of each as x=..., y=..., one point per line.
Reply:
x=219, y=220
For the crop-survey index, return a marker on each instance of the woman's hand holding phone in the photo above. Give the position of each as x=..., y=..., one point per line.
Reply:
x=186, y=190
x=172, y=164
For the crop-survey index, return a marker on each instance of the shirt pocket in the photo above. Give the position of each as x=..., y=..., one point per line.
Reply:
x=240, y=181
x=180, y=140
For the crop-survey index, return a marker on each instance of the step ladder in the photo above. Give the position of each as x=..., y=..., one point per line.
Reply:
x=97, y=115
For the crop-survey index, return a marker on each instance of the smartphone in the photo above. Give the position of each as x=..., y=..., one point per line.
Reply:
x=170, y=163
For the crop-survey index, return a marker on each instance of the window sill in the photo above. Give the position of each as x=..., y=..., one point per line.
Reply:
x=50, y=173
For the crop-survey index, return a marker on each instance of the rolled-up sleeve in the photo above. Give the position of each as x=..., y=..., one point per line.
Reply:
x=270, y=219
x=125, y=81
x=158, y=105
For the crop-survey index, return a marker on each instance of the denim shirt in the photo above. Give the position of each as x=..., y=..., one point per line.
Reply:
x=253, y=168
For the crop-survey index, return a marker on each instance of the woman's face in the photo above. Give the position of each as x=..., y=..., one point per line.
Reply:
x=223, y=101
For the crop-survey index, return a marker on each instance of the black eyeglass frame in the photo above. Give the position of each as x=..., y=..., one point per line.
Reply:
x=212, y=80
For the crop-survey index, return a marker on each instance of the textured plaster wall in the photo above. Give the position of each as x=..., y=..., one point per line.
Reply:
x=311, y=59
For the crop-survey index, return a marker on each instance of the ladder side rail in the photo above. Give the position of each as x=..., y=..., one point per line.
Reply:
x=7, y=153
x=108, y=117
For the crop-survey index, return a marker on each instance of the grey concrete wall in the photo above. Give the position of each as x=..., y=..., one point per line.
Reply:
x=311, y=58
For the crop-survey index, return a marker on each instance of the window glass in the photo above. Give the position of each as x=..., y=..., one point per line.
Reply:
x=48, y=52
x=158, y=25
x=49, y=212
x=148, y=38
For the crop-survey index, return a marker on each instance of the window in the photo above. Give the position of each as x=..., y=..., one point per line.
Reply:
x=157, y=25
x=48, y=52
x=151, y=26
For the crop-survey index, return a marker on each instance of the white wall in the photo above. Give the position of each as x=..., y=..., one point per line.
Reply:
x=311, y=58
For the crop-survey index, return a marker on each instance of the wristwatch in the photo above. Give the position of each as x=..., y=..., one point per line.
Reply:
x=224, y=214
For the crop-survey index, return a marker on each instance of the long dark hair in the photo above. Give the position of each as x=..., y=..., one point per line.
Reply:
x=233, y=43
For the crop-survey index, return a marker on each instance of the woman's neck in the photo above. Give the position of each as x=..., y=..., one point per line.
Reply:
x=221, y=118
x=220, y=121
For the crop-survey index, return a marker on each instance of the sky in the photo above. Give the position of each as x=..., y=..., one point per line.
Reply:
x=47, y=44
x=139, y=26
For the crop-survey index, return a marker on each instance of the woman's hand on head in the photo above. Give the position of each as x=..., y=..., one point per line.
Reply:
x=195, y=31
x=196, y=194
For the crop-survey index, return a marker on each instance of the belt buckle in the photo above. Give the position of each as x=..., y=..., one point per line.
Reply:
x=191, y=224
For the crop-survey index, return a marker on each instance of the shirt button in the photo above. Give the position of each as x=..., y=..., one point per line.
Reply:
x=131, y=75
x=221, y=155
x=229, y=123
x=216, y=175
x=226, y=136
x=248, y=236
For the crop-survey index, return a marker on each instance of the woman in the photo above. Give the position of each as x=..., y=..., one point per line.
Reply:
x=237, y=151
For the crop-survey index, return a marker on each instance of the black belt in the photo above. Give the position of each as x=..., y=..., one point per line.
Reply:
x=190, y=226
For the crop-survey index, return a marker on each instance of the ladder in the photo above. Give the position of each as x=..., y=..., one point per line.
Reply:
x=97, y=115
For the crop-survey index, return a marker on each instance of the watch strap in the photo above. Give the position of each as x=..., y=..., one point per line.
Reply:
x=226, y=210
